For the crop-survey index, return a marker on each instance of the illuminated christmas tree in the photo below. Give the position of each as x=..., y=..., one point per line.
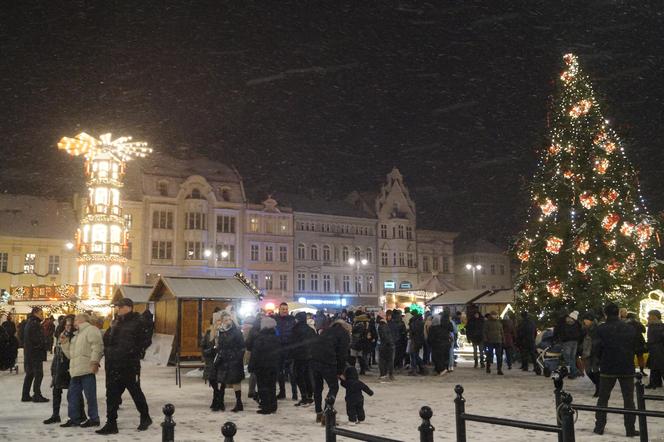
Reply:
x=589, y=238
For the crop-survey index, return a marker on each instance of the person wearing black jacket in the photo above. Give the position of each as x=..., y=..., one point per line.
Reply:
x=228, y=362
x=385, y=350
x=34, y=355
x=526, y=332
x=60, y=372
x=264, y=362
x=614, y=344
x=416, y=331
x=284, y=330
x=655, y=349
x=303, y=336
x=399, y=336
x=640, y=349
x=124, y=344
x=354, y=399
x=329, y=353
x=569, y=333
x=248, y=343
x=440, y=341
x=474, y=334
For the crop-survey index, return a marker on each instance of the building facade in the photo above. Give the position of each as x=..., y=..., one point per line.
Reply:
x=494, y=266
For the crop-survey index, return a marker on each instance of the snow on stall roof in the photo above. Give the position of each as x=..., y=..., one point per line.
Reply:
x=199, y=288
x=457, y=297
x=140, y=294
x=436, y=285
x=36, y=217
x=501, y=296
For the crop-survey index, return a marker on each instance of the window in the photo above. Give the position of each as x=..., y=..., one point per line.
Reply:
x=4, y=261
x=269, y=253
x=326, y=283
x=314, y=282
x=162, y=250
x=383, y=231
x=162, y=188
x=314, y=252
x=225, y=224
x=357, y=254
x=283, y=282
x=344, y=254
x=358, y=284
x=253, y=225
x=425, y=263
x=326, y=253
x=129, y=221
x=29, y=263
x=394, y=259
x=162, y=219
x=402, y=259
x=254, y=279
x=370, y=255
x=193, y=250
x=410, y=260
x=484, y=272
x=370, y=284
x=268, y=281
x=493, y=269
x=446, y=265
x=502, y=269
x=409, y=232
x=195, y=194
x=383, y=259
x=300, y=252
x=195, y=221
x=129, y=251
x=283, y=254
x=400, y=231
x=54, y=265
x=301, y=282
x=434, y=261
x=254, y=252
x=225, y=252
x=346, y=284
x=269, y=225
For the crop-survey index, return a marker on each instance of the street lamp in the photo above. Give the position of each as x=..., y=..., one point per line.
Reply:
x=474, y=268
x=357, y=263
x=207, y=253
x=69, y=245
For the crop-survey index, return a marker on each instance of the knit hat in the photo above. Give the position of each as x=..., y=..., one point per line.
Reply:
x=268, y=322
x=574, y=315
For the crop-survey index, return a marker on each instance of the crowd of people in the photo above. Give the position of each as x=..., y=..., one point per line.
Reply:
x=308, y=352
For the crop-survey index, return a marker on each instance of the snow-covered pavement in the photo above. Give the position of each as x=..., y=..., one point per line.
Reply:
x=391, y=412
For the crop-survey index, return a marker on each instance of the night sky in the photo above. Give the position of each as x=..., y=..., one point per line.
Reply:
x=325, y=97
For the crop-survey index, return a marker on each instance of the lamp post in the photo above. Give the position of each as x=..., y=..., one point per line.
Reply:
x=357, y=264
x=474, y=268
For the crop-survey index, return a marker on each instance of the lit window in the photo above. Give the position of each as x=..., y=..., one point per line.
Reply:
x=253, y=225
x=268, y=281
x=4, y=261
x=193, y=250
x=54, y=265
x=29, y=263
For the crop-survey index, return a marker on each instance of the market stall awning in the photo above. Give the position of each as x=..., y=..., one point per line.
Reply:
x=201, y=288
x=501, y=296
x=435, y=285
x=458, y=297
x=140, y=294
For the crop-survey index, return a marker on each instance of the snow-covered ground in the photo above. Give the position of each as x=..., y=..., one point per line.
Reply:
x=391, y=412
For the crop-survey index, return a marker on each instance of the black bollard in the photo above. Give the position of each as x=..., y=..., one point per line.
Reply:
x=228, y=430
x=330, y=416
x=566, y=417
x=426, y=429
x=168, y=426
x=641, y=405
x=558, y=376
x=459, y=411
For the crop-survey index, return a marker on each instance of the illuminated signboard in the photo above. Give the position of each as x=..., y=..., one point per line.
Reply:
x=406, y=285
x=389, y=285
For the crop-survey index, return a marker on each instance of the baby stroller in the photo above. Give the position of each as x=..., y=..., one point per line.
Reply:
x=8, y=352
x=548, y=353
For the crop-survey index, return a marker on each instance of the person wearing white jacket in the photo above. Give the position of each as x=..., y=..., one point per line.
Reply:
x=84, y=351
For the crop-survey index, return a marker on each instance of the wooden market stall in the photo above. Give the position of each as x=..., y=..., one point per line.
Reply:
x=184, y=306
x=469, y=301
x=140, y=294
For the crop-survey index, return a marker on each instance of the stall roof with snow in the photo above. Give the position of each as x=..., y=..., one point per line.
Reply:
x=168, y=287
x=500, y=296
x=458, y=297
x=140, y=294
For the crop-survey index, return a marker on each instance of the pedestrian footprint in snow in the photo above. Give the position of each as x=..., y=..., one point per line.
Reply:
x=354, y=398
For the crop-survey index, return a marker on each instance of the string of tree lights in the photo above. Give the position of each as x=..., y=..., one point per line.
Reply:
x=588, y=238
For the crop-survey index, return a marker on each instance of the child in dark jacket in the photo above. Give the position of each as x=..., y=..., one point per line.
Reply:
x=354, y=399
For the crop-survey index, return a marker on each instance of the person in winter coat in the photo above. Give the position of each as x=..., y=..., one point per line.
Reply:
x=492, y=336
x=228, y=362
x=385, y=350
x=60, y=377
x=526, y=333
x=303, y=337
x=329, y=353
x=614, y=345
x=372, y=336
x=264, y=363
x=9, y=326
x=426, y=349
x=399, y=336
x=34, y=355
x=124, y=344
x=568, y=332
x=416, y=333
x=359, y=342
x=48, y=328
x=655, y=349
x=474, y=334
x=285, y=324
x=354, y=398
x=440, y=342
x=84, y=350
x=509, y=335
x=208, y=352
x=640, y=329
x=248, y=343
x=590, y=361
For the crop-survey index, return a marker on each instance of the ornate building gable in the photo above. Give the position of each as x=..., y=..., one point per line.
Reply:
x=394, y=200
